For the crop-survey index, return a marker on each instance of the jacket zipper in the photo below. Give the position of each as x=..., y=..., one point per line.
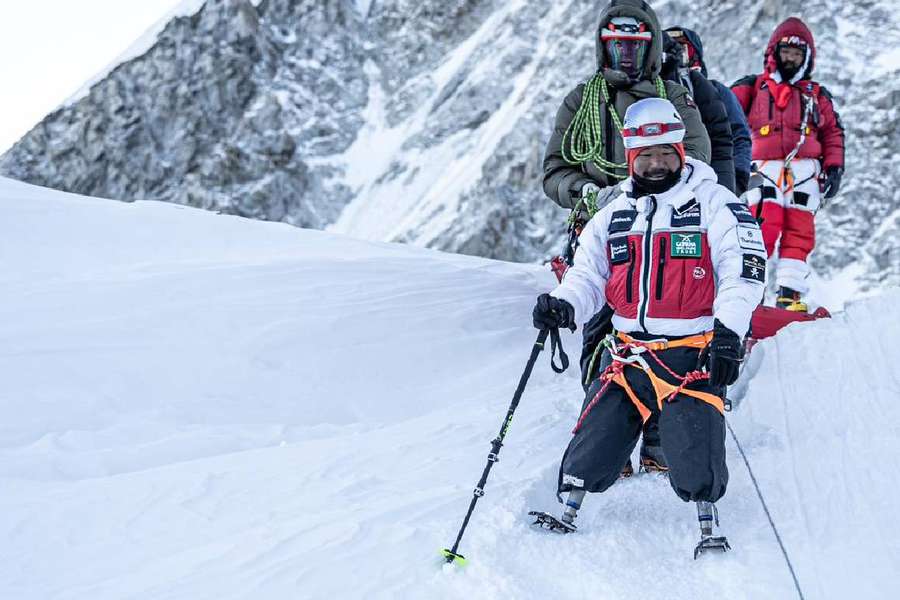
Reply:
x=661, y=268
x=645, y=266
x=629, y=282
x=771, y=106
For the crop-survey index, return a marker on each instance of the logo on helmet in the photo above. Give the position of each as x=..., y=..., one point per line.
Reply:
x=793, y=40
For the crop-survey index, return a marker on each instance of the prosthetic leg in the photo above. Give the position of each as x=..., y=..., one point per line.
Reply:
x=708, y=515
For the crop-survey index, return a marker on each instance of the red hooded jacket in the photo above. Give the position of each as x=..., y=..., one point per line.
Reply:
x=775, y=110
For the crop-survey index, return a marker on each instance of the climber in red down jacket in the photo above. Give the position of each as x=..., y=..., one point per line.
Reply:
x=798, y=148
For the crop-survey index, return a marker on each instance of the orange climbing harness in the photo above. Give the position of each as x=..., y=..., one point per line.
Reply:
x=630, y=353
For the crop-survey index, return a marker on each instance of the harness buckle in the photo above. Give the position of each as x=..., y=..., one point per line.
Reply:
x=635, y=358
x=610, y=342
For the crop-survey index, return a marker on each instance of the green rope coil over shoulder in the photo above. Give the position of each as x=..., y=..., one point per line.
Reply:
x=583, y=140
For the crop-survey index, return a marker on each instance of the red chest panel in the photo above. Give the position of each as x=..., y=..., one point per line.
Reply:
x=682, y=281
x=776, y=132
x=678, y=284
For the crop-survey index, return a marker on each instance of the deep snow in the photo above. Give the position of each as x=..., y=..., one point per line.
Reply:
x=199, y=406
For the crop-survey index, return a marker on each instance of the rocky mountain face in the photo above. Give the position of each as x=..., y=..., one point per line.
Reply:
x=425, y=121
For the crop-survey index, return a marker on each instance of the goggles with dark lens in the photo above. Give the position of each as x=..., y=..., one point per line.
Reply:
x=622, y=51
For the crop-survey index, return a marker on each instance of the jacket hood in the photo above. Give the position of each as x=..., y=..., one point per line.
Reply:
x=694, y=39
x=670, y=62
x=641, y=11
x=791, y=27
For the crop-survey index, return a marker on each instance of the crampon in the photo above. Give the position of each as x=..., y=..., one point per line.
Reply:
x=550, y=523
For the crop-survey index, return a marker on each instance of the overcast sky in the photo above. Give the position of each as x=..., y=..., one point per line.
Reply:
x=49, y=48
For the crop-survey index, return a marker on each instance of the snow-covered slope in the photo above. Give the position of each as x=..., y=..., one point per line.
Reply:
x=199, y=406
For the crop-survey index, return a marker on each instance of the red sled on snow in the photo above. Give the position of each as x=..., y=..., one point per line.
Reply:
x=768, y=320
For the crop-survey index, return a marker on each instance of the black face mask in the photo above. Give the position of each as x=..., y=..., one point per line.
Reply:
x=646, y=187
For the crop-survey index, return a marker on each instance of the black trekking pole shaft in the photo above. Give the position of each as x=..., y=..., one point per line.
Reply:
x=493, y=457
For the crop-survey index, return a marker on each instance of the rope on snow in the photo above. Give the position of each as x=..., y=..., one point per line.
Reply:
x=762, y=501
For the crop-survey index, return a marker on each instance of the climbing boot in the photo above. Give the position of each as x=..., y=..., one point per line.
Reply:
x=789, y=299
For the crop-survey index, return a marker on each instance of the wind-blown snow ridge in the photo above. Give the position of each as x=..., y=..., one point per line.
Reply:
x=199, y=406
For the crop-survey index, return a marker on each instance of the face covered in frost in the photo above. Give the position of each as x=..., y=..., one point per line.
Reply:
x=626, y=43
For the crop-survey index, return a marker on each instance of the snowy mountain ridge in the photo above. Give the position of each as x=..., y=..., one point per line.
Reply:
x=425, y=122
x=199, y=406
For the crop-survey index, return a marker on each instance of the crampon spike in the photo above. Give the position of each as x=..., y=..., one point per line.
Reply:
x=551, y=523
x=711, y=544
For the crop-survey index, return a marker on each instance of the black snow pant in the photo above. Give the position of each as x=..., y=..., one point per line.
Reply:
x=691, y=433
x=594, y=332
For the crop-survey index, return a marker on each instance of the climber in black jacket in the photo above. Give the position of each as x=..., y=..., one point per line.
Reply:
x=712, y=110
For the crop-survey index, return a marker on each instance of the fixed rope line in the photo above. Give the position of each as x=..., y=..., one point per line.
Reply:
x=762, y=500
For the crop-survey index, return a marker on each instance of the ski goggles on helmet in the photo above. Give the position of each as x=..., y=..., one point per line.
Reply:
x=651, y=132
x=793, y=41
x=626, y=28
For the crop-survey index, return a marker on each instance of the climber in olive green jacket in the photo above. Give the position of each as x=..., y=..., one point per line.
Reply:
x=585, y=153
x=585, y=158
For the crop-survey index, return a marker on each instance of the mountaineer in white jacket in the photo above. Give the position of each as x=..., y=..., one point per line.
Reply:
x=681, y=261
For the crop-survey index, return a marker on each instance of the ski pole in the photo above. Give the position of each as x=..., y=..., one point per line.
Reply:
x=452, y=555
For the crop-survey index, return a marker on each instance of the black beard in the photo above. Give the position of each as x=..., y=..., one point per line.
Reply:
x=646, y=187
x=788, y=72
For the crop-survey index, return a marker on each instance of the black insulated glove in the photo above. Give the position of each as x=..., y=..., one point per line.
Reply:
x=723, y=360
x=553, y=313
x=832, y=184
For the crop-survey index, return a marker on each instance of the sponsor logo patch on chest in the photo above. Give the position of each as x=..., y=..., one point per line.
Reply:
x=754, y=268
x=750, y=238
x=622, y=220
x=742, y=212
x=687, y=245
x=619, y=253
x=690, y=218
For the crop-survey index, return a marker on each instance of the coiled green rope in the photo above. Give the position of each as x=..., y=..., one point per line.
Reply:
x=583, y=140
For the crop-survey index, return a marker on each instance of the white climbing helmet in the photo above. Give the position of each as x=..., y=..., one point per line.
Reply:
x=652, y=122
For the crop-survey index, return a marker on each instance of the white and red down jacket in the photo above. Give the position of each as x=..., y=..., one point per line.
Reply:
x=670, y=264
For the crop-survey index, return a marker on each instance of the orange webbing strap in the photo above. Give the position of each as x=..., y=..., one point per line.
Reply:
x=785, y=181
x=664, y=390
x=700, y=342
x=667, y=391
x=788, y=180
x=619, y=378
